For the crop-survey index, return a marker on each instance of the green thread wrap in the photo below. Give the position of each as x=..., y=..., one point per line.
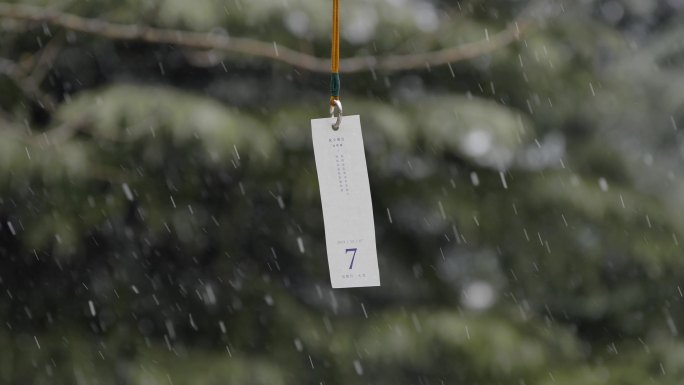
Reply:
x=335, y=84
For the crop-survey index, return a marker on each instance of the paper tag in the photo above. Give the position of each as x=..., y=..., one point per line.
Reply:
x=346, y=201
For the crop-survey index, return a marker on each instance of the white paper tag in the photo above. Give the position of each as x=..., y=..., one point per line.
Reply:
x=346, y=201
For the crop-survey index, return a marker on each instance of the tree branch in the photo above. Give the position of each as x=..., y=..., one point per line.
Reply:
x=27, y=85
x=252, y=47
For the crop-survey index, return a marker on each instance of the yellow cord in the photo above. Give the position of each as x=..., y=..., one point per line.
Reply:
x=335, y=55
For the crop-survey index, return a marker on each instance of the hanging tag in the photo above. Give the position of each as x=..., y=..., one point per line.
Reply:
x=346, y=202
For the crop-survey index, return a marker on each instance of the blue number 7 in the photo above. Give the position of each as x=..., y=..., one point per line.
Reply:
x=353, y=256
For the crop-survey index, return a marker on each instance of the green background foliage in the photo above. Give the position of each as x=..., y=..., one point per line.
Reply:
x=160, y=221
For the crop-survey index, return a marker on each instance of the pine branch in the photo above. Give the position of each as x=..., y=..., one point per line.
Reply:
x=252, y=47
x=7, y=67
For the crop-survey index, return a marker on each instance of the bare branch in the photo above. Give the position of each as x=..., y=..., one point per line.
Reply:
x=252, y=47
x=16, y=72
x=45, y=59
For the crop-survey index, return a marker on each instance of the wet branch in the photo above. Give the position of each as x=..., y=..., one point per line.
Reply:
x=252, y=47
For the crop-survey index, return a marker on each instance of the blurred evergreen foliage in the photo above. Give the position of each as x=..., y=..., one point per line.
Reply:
x=527, y=202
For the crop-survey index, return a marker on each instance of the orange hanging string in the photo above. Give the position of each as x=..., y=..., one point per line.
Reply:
x=335, y=55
